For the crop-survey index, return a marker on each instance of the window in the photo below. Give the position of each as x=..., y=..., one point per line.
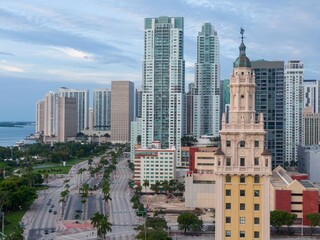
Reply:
x=242, y=143
x=228, y=143
x=228, y=206
x=228, y=219
x=242, y=179
x=256, y=207
x=256, y=179
x=228, y=162
x=256, y=220
x=256, y=235
x=228, y=178
x=228, y=233
x=256, y=143
x=256, y=161
x=257, y=193
x=242, y=220
x=267, y=162
x=242, y=162
x=242, y=206
x=242, y=234
x=242, y=193
x=228, y=192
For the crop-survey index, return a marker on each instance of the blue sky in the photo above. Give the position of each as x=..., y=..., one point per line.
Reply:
x=89, y=43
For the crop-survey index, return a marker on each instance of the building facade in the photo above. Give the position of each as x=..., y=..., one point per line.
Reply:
x=138, y=103
x=135, y=139
x=206, y=112
x=40, y=117
x=163, y=83
x=242, y=166
x=311, y=128
x=50, y=114
x=122, y=110
x=312, y=94
x=189, y=110
x=293, y=115
x=67, y=117
x=82, y=97
x=309, y=161
x=154, y=164
x=102, y=109
x=296, y=196
x=269, y=76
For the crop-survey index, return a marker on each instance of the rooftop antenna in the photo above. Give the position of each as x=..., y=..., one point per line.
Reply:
x=242, y=32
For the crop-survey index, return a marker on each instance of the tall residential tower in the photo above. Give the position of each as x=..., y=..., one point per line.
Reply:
x=242, y=165
x=163, y=83
x=101, y=109
x=82, y=97
x=206, y=120
x=293, y=109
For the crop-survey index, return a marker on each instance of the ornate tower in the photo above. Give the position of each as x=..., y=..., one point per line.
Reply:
x=242, y=165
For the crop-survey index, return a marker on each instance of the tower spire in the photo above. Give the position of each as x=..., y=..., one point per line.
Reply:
x=242, y=32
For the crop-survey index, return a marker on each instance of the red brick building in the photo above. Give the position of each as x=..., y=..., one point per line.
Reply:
x=294, y=194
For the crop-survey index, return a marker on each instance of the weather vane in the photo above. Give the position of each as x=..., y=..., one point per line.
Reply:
x=242, y=32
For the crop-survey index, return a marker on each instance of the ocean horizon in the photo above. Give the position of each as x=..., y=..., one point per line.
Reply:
x=10, y=135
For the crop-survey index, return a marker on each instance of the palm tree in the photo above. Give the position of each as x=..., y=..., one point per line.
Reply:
x=80, y=171
x=145, y=184
x=100, y=222
x=84, y=195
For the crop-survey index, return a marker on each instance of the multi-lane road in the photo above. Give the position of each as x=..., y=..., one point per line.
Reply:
x=121, y=213
x=45, y=219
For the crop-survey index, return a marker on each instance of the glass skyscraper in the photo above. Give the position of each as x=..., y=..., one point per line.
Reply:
x=270, y=101
x=163, y=83
x=206, y=120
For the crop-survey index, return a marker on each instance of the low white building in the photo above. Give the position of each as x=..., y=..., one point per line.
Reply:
x=154, y=164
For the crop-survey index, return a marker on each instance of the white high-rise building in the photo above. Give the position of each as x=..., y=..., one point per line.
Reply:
x=312, y=95
x=40, y=117
x=206, y=110
x=293, y=114
x=102, y=109
x=163, y=83
x=82, y=97
x=50, y=114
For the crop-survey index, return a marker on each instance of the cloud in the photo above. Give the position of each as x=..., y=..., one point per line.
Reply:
x=9, y=68
x=74, y=53
x=6, y=53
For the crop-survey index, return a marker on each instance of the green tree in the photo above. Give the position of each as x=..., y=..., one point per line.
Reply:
x=189, y=221
x=278, y=218
x=138, y=189
x=188, y=141
x=155, y=187
x=314, y=219
x=145, y=184
x=17, y=234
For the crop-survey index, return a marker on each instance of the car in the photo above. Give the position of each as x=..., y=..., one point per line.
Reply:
x=55, y=212
x=52, y=230
x=48, y=203
x=50, y=210
x=52, y=206
x=46, y=231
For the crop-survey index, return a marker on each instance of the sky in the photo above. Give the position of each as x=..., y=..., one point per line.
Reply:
x=86, y=44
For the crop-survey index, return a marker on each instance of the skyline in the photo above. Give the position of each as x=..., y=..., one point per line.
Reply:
x=87, y=44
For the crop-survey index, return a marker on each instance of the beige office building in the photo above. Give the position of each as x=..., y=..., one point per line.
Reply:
x=311, y=127
x=67, y=119
x=122, y=110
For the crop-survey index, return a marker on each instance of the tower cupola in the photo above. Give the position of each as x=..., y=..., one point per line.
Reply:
x=242, y=60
